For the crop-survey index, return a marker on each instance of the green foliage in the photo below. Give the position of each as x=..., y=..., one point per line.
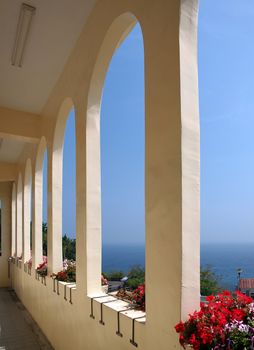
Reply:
x=209, y=281
x=136, y=277
x=44, y=238
x=69, y=244
x=241, y=340
x=114, y=275
x=71, y=273
x=69, y=248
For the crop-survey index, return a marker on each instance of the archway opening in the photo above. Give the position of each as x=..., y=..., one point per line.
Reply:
x=45, y=205
x=69, y=189
x=122, y=164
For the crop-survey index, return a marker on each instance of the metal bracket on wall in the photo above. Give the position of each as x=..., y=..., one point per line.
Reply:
x=9, y=270
x=105, y=302
x=132, y=340
x=118, y=332
x=92, y=299
x=70, y=301
x=65, y=298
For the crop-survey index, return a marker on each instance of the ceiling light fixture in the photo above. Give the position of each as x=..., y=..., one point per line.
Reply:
x=24, y=24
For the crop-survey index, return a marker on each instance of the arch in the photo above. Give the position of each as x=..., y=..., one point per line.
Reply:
x=57, y=179
x=13, y=220
x=63, y=113
x=116, y=33
x=19, y=210
x=27, y=211
x=37, y=200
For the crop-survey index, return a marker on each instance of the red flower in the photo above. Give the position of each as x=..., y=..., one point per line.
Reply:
x=139, y=296
x=206, y=327
x=238, y=314
x=179, y=327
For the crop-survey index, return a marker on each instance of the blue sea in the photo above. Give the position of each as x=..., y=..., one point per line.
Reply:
x=224, y=259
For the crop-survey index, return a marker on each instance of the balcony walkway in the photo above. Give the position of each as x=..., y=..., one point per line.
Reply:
x=18, y=331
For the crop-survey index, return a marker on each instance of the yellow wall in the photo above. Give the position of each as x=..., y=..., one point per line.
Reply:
x=5, y=198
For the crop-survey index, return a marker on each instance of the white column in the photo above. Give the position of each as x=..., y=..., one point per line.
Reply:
x=19, y=211
x=37, y=193
x=172, y=171
x=27, y=211
x=13, y=220
x=55, y=255
x=88, y=233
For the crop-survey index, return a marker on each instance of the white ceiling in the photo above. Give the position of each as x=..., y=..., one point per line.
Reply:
x=10, y=150
x=55, y=28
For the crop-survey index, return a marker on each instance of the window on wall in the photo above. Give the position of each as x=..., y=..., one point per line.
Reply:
x=122, y=162
x=44, y=205
x=69, y=190
x=0, y=227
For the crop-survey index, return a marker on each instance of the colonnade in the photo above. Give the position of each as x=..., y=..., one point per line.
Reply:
x=171, y=158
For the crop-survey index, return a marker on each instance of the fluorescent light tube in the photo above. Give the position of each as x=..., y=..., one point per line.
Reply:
x=24, y=24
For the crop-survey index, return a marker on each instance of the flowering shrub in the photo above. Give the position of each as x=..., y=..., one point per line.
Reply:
x=42, y=269
x=68, y=274
x=104, y=281
x=139, y=296
x=226, y=321
x=60, y=276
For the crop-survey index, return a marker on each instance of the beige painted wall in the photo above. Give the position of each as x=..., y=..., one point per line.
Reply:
x=172, y=177
x=5, y=197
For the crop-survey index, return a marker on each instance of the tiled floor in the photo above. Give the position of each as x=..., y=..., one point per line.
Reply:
x=18, y=331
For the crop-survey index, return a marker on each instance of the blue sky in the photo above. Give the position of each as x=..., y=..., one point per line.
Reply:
x=122, y=150
x=226, y=88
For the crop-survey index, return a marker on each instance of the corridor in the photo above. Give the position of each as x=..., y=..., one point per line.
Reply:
x=18, y=331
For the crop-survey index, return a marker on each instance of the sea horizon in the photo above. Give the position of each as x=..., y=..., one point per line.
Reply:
x=223, y=258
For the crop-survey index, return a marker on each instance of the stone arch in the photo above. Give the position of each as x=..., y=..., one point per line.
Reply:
x=19, y=210
x=57, y=177
x=115, y=35
x=27, y=210
x=37, y=200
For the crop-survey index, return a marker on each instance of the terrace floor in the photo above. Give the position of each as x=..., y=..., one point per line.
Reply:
x=18, y=331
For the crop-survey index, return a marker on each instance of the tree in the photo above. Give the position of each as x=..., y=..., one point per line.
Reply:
x=136, y=276
x=69, y=248
x=114, y=275
x=209, y=281
x=69, y=244
x=44, y=238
